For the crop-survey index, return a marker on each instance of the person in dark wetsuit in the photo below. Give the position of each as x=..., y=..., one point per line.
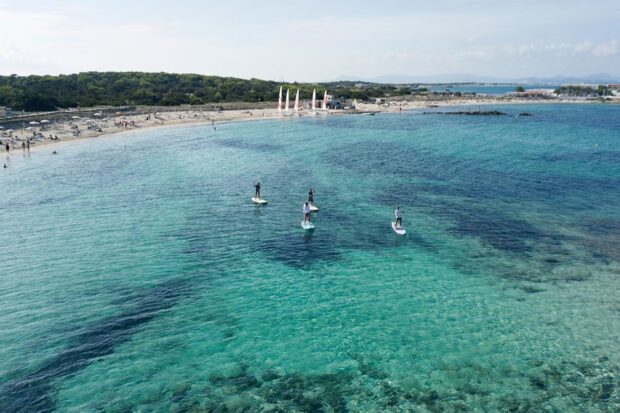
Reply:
x=257, y=188
x=311, y=196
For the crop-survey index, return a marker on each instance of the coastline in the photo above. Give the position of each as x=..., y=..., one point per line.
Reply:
x=65, y=129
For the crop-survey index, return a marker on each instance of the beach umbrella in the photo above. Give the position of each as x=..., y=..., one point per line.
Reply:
x=29, y=128
x=45, y=121
x=75, y=117
x=33, y=123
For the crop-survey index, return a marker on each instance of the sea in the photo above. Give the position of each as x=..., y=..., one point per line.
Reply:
x=487, y=89
x=137, y=276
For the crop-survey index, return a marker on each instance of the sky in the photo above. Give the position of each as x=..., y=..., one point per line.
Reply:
x=312, y=40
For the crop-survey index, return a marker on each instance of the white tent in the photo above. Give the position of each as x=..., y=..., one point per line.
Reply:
x=45, y=121
x=33, y=123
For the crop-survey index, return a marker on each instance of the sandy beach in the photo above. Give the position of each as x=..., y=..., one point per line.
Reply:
x=70, y=126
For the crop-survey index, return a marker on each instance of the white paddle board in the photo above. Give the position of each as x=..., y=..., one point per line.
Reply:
x=313, y=208
x=398, y=230
x=307, y=225
x=258, y=201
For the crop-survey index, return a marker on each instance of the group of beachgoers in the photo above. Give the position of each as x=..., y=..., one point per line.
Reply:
x=7, y=147
x=307, y=207
x=124, y=123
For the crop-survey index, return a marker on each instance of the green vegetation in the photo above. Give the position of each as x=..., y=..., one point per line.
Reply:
x=583, y=91
x=519, y=89
x=603, y=91
x=37, y=93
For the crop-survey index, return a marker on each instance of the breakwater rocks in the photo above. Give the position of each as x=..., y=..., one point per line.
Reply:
x=476, y=113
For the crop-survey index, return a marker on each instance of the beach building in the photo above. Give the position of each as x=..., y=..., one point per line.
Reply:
x=615, y=89
x=333, y=103
x=5, y=112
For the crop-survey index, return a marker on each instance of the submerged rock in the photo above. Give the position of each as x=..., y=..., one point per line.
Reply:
x=469, y=113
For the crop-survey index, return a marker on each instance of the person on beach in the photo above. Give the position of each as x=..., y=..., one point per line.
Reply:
x=311, y=196
x=399, y=217
x=306, y=210
x=5, y=166
x=24, y=146
x=8, y=148
x=28, y=145
x=257, y=190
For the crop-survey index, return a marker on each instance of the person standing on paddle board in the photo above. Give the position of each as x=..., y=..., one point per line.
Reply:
x=399, y=217
x=306, y=210
x=257, y=192
x=311, y=196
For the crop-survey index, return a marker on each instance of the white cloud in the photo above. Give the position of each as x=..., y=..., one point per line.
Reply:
x=583, y=47
x=559, y=50
x=609, y=48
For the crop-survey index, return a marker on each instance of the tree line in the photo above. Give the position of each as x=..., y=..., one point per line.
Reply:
x=88, y=89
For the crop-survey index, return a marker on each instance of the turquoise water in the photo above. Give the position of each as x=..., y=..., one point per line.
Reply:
x=137, y=276
x=486, y=89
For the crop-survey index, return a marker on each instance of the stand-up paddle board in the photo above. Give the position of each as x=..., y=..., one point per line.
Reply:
x=307, y=225
x=313, y=208
x=398, y=230
x=258, y=201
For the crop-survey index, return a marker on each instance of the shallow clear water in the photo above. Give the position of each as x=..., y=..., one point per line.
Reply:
x=138, y=276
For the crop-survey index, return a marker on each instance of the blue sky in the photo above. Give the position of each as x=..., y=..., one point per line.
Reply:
x=312, y=40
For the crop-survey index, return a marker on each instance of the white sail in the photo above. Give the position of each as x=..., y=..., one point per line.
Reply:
x=325, y=101
x=314, y=100
x=286, y=107
x=280, y=100
x=297, y=101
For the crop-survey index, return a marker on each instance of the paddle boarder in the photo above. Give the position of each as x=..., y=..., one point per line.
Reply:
x=311, y=196
x=306, y=210
x=257, y=190
x=399, y=217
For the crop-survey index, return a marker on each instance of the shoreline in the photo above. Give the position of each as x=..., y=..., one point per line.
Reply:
x=76, y=129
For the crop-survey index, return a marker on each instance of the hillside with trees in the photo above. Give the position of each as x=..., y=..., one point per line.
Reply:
x=88, y=89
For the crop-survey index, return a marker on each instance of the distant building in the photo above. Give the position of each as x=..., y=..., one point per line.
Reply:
x=536, y=93
x=615, y=89
x=5, y=112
